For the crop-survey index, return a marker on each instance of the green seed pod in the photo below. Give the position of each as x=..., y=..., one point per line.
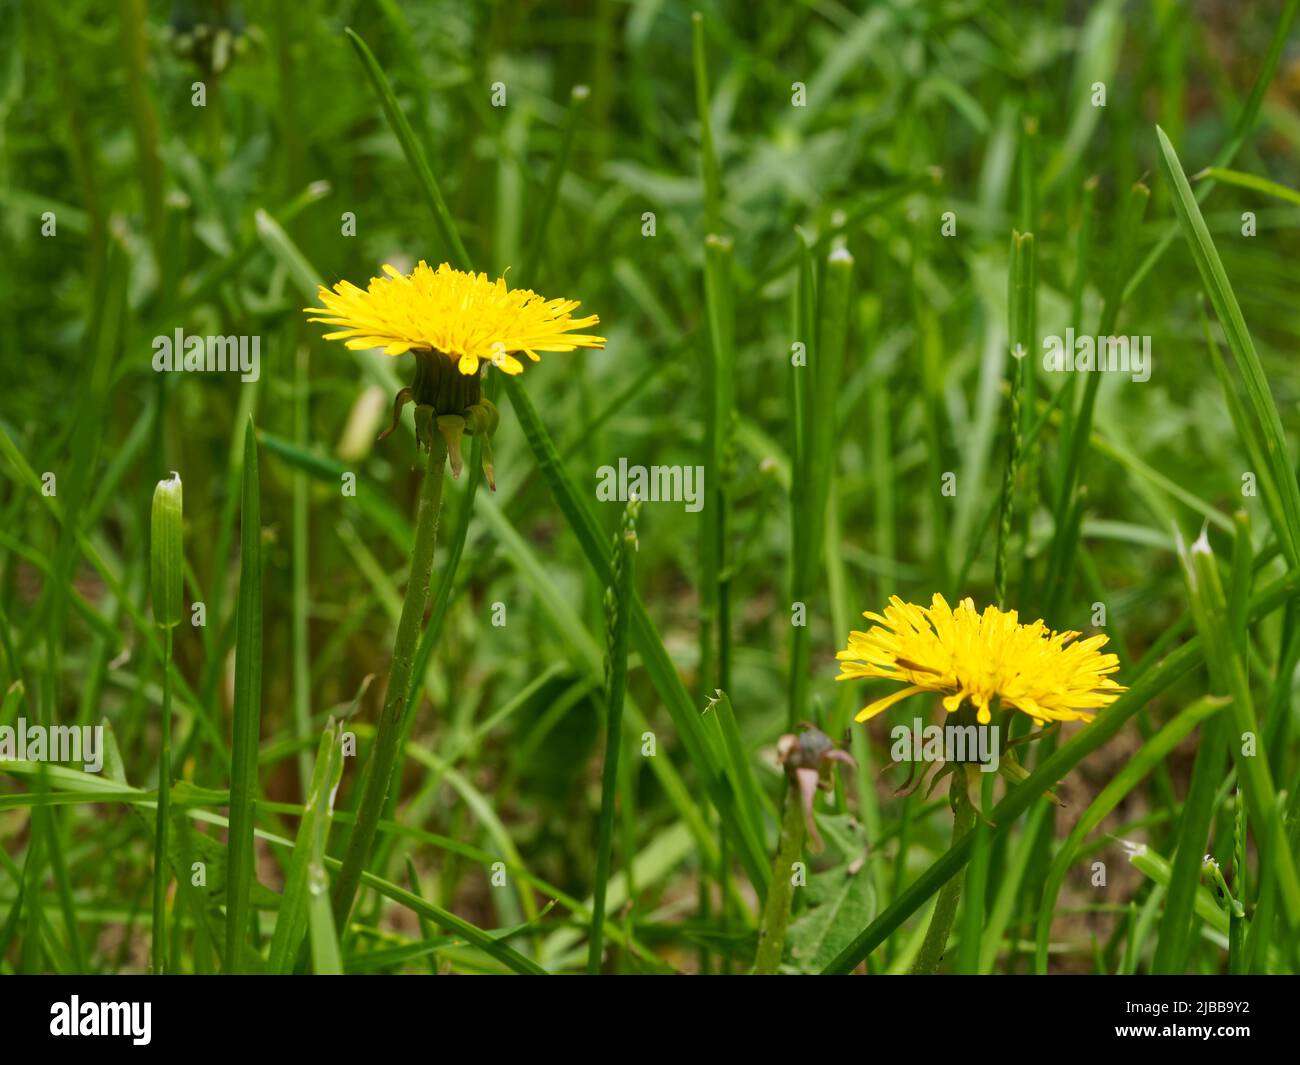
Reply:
x=166, y=556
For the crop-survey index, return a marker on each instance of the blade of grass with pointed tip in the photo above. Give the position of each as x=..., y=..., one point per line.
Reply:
x=406, y=138
x=1248, y=181
x=1247, y=432
x=1158, y=869
x=247, y=711
x=292, y=920
x=1240, y=343
x=804, y=316
x=617, y=606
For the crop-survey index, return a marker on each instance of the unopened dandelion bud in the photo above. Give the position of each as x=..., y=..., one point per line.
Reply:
x=166, y=552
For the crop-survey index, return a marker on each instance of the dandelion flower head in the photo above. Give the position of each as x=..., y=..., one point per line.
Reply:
x=981, y=657
x=466, y=316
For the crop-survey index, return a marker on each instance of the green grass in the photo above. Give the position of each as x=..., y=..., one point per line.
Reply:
x=816, y=241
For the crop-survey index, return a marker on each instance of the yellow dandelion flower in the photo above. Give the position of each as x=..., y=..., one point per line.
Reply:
x=981, y=657
x=465, y=316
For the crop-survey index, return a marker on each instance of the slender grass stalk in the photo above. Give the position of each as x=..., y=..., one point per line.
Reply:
x=945, y=907
x=776, y=911
x=1236, y=914
x=1174, y=937
x=751, y=801
x=241, y=870
x=578, y=97
x=618, y=608
x=820, y=436
x=167, y=563
x=1247, y=431
x=1078, y=284
x=1219, y=289
x=401, y=128
x=313, y=830
x=135, y=45
x=301, y=592
x=1128, y=223
x=1019, y=297
x=719, y=393
x=389, y=729
x=710, y=172
x=718, y=390
x=931, y=371
x=804, y=317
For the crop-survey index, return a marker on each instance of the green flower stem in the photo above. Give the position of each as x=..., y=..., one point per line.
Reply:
x=776, y=913
x=945, y=907
x=160, y=877
x=389, y=731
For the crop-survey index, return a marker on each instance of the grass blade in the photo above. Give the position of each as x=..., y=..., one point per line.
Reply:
x=313, y=830
x=618, y=607
x=1248, y=181
x=247, y=712
x=1230, y=317
x=457, y=254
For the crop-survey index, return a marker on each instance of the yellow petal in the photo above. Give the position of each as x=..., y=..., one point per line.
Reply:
x=880, y=705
